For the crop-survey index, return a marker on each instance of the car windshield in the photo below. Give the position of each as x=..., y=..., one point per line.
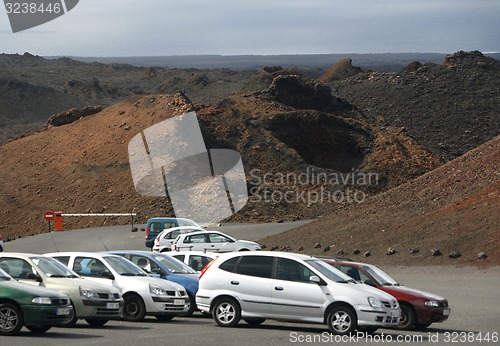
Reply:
x=187, y=222
x=4, y=275
x=382, y=277
x=124, y=267
x=174, y=265
x=53, y=268
x=329, y=271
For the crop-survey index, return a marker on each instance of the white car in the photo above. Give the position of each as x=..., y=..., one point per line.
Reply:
x=96, y=303
x=195, y=259
x=165, y=239
x=291, y=287
x=213, y=241
x=143, y=294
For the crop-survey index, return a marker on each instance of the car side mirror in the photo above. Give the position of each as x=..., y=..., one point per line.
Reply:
x=107, y=275
x=35, y=277
x=317, y=280
x=370, y=283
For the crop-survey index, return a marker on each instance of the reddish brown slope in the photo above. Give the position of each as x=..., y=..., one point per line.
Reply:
x=453, y=208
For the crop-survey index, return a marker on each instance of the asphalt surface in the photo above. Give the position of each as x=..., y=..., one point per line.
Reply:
x=473, y=295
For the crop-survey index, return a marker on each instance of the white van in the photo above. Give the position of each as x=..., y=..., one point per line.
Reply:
x=291, y=287
x=142, y=294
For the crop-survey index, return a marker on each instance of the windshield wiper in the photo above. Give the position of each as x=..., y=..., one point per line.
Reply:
x=387, y=284
x=57, y=276
x=4, y=278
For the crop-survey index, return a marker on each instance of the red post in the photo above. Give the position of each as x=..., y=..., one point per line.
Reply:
x=58, y=221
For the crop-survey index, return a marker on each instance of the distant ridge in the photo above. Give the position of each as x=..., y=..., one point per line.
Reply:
x=389, y=62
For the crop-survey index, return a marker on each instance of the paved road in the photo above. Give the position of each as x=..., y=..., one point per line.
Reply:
x=122, y=238
x=473, y=295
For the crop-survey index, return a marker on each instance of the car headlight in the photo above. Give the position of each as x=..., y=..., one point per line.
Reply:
x=374, y=302
x=88, y=293
x=156, y=290
x=431, y=303
x=42, y=300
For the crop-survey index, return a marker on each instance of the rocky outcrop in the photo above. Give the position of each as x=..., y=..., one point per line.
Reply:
x=72, y=115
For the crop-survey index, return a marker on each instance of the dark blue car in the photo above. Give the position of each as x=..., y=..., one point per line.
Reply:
x=166, y=267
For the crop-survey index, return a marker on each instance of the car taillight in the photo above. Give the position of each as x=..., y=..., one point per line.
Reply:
x=147, y=232
x=206, y=268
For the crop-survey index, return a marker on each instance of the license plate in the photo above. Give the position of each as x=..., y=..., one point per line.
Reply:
x=446, y=312
x=112, y=306
x=178, y=301
x=62, y=311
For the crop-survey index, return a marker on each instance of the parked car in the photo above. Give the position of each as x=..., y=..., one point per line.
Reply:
x=91, y=301
x=37, y=308
x=419, y=309
x=157, y=224
x=195, y=259
x=284, y=286
x=143, y=295
x=213, y=241
x=168, y=268
x=164, y=240
x=2, y=244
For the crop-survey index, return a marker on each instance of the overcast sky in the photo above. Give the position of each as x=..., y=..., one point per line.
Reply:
x=234, y=27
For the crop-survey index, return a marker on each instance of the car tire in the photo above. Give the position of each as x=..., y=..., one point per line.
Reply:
x=341, y=320
x=408, y=318
x=254, y=321
x=11, y=319
x=226, y=312
x=73, y=321
x=1, y=248
x=96, y=322
x=192, y=307
x=164, y=318
x=134, y=309
x=38, y=329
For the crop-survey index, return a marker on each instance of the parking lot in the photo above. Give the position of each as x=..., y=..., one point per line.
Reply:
x=472, y=294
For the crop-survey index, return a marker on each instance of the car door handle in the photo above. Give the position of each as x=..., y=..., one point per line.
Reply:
x=235, y=283
x=278, y=288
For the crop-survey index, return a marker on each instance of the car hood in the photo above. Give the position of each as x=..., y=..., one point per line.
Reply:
x=72, y=283
x=249, y=243
x=375, y=292
x=35, y=290
x=133, y=282
x=395, y=290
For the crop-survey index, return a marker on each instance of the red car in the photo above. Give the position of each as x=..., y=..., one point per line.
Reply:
x=418, y=308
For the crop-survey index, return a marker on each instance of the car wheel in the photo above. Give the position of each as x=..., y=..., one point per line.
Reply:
x=134, y=309
x=11, y=319
x=368, y=329
x=1, y=248
x=254, y=321
x=226, y=312
x=407, y=319
x=38, y=329
x=341, y=320
x=96, y=322
x=192, y=307
x=73, y=321
x=164, y=318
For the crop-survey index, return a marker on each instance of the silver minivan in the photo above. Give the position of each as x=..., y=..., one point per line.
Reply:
x=260, y=285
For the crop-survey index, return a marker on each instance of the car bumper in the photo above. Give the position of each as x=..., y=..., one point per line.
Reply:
x=100, y=309
x=432, y=314
x=158, y=305
x=369, y=316
x=47, y=315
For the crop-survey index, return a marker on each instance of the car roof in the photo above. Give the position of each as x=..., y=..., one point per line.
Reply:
x=19, y=254
x=81, y=253
x=281, y=254
x=169, y=218
x=191, y=253
x=201, y=229
x=206, y=231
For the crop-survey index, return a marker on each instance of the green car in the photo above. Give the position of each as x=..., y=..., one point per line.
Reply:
x=37, y=308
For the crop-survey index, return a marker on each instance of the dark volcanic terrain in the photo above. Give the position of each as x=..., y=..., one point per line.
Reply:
x=377, y=157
